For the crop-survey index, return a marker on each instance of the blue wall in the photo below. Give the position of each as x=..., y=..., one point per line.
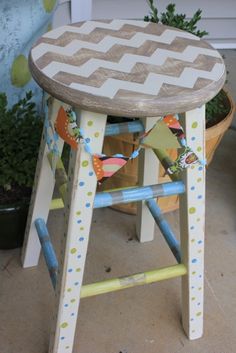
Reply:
x=21, y=23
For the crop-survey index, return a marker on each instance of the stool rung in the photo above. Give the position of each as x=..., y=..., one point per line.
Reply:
x=105, y=199
x=165, y=161
x=165, y=229
x=122, y=128
x=48, y=250
x=139, y=279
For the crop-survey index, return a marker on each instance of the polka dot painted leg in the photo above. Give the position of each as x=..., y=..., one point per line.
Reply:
x=192, y=224
x=41, y=195
x=78, y=215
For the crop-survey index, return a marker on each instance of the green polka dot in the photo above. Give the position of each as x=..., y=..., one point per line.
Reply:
x=69, y=290
x=194, y=273
x=198, y=219
x=67, y=347
x=85, y=163
x=193, y=298
x=96, y=134
x=78, y=269
x=73, y=251
x=20, y=74
x=199, y=180
x=194, y=125
x=64, y=324
x=193, y=240
x=199, y=149
x=78, y=213
x=81, y=228
x=73, y=300
x=192, y=210
x=90, y=123
x=199, y=313
x=90, y=193
x=49, y=5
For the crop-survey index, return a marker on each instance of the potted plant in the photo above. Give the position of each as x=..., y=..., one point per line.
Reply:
x=219, y=115
x=20, y=132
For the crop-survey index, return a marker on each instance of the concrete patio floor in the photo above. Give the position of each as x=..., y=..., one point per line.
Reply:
x=143, y=319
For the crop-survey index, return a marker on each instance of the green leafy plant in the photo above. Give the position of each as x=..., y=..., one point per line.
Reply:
x=218, y=107
x=171, y=18
x=20, y=131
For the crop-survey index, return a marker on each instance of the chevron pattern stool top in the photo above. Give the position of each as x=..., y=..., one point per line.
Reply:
x=134, y=68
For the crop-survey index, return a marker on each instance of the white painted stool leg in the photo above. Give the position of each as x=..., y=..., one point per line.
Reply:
x=78, y=215
x=192, y=225
x=148, y=170
x=41, y=195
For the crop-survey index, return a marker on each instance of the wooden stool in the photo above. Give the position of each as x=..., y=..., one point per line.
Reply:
x=132, y=69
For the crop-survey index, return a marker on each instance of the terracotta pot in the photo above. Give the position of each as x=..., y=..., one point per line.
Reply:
x=12, y=224
x=127, y=176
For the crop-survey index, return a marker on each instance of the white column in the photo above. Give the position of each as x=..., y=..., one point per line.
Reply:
x=81, y=10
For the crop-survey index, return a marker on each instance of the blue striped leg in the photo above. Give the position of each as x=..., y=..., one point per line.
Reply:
x=41, y=195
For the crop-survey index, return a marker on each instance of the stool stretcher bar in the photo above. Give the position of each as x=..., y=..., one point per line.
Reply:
x=139, y=279
x=166, y=162
x=105, y=199
x=165, y=229
x=124, y=195
x=122, y=128
x=48, y=250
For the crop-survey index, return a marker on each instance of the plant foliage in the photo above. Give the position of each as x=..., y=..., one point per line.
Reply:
x=173, y=19
x=218, y=107
x=20, y=131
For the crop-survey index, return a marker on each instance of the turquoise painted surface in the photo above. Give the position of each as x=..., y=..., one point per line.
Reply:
x=21, y=23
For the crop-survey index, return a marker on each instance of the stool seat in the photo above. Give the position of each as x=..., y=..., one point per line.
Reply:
x=131, y=68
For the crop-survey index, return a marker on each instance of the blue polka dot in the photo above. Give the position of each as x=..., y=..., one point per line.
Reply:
x=62, y=338
x=192, y=319
x=200, y=168
x=193, y=188
x=79, y=221
x=193, y=138
x=76, y=283
x=87, y=204
x=198, y=304
x=199, y=242
x=199, y=197
x=79, y=257
x=81, y=183
x=66, y=305
x=70, y=270
x=81, y=239
x=200, y=276
x=90, y=173
x=192, y=227
x=192, y=287
x=87, y=140
x=72, y=314
x=194, y=261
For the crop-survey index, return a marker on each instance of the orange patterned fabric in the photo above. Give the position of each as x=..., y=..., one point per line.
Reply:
x=62, y=128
